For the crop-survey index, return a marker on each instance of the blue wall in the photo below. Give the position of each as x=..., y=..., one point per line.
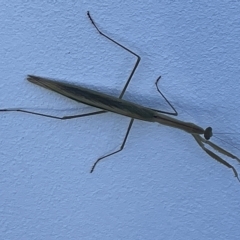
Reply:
x=162, y=185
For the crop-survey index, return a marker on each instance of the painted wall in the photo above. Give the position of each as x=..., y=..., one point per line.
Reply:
x=162, y=186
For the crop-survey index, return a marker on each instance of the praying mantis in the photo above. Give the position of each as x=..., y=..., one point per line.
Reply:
x=108, y=103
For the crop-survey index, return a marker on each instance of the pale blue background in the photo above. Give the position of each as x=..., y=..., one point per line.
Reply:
x=162, y=186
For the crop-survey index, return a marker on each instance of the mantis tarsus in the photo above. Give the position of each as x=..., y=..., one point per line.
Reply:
x=117, y=105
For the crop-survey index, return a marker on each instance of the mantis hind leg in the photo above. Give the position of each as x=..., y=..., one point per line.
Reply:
x=120, y=45
x=50, y=116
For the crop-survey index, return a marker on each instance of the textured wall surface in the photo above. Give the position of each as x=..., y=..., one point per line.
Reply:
x=162, y=186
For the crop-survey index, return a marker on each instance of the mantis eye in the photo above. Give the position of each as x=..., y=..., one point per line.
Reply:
x=208, y=133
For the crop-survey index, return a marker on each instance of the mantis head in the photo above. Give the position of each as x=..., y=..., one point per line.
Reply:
x=208, y=133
